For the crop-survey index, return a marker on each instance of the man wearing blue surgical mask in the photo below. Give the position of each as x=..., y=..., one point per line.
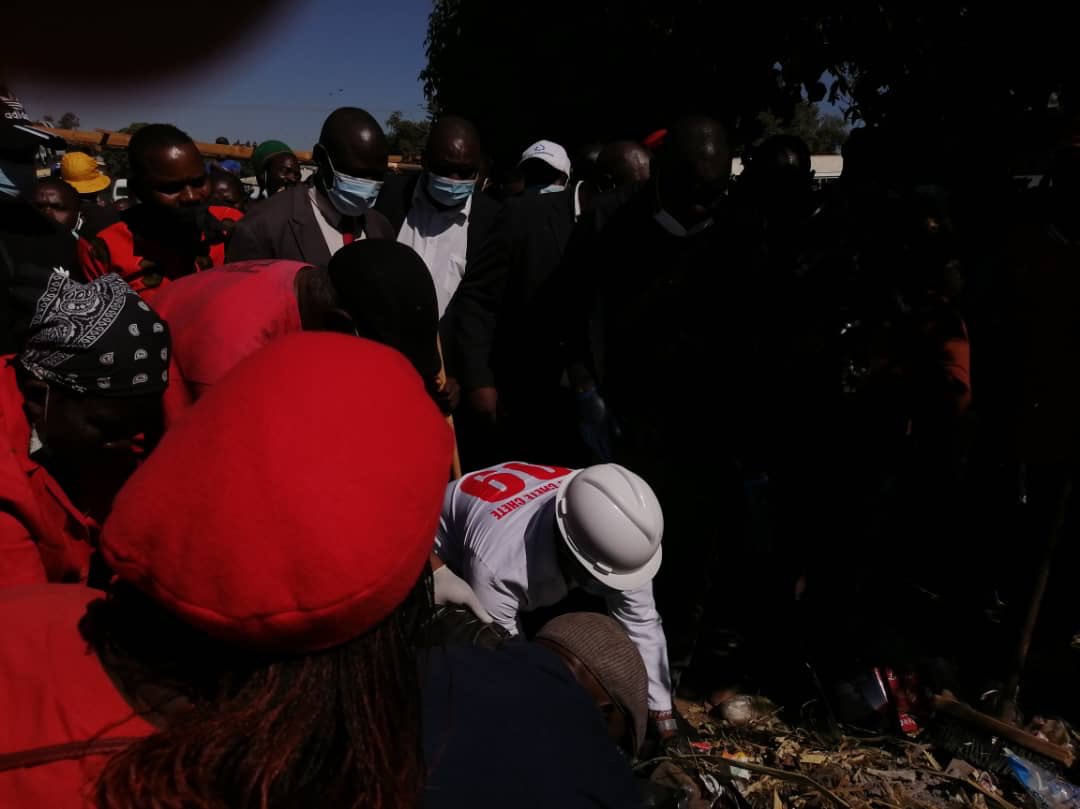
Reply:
x=310, y=222
x=436, y=212
x=26, y=236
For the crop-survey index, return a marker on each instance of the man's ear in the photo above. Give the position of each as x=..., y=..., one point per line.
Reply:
x=322, y=162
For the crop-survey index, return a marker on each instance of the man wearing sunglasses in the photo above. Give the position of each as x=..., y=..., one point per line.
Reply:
x=310, y=222
x=173, y=231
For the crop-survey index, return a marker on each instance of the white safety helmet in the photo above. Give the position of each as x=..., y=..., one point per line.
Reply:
x=612, y=523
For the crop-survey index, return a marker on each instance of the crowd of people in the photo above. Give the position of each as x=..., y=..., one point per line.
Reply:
x=434, y=488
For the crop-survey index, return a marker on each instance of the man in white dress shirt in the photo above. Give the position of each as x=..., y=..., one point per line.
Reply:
x=436, y=222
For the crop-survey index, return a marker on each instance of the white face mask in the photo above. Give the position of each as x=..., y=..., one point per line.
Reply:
x=676, y=228
x=16, y=179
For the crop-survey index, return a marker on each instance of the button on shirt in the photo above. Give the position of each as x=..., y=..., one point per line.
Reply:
x=440, y=236
x=497, y=531
x=333, y=225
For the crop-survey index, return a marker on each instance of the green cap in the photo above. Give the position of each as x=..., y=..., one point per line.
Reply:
x=265, y=150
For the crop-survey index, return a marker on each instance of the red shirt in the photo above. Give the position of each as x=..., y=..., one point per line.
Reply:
x=43, y=537
x=54, y=691
x=220, y=316
x=145, y=264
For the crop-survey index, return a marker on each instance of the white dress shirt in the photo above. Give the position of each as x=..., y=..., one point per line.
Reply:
x=440, y=236
x=497, y=531
x=334, y=238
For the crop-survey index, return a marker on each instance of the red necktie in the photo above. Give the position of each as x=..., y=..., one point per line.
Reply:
x=348, y=229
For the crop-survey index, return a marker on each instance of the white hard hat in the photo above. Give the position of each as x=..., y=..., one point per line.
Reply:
x=612, y=522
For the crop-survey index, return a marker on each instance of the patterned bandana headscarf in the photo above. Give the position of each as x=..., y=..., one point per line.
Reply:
x=97, y=338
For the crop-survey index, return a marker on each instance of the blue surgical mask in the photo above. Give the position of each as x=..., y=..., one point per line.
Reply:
x=351, y=196
x=16, y=179
x=448, y=192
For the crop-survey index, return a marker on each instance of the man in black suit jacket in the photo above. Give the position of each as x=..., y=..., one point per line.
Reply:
x=509, y=307
x=661, y=322
x=436, y=211
x=312, y=222
x=438, y=214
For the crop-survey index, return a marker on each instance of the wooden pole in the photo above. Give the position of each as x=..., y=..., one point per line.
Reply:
x=104, y=139
x=455, y=462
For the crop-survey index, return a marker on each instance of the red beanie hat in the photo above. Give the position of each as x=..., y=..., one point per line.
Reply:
x=292, y=509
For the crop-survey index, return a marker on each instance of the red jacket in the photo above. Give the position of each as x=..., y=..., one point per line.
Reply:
x=146, y=265
x=54, y=697
x=43, y=537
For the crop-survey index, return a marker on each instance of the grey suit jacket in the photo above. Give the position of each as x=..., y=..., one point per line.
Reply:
x=284, y=226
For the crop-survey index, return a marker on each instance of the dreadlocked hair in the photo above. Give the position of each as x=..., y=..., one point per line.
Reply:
x=340, y=727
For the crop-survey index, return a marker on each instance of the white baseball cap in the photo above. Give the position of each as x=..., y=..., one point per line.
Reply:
x=551, y=153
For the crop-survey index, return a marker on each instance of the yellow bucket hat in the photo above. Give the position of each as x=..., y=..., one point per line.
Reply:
x=81, y=172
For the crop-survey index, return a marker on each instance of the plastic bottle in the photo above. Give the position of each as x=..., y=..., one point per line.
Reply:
x=1046, y=788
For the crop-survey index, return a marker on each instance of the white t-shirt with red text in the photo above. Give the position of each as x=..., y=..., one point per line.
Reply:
x=497, y=531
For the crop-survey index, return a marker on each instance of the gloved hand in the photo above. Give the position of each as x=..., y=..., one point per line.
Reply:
x=594, y=424
x=452, y=589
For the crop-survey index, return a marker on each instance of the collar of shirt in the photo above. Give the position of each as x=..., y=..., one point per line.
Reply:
x=577, y=199
x=420, y=198
x=339, y=222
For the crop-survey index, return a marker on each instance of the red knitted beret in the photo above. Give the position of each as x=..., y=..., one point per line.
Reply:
x=293, y=507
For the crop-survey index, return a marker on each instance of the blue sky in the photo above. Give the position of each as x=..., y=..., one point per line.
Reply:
x=278, y=82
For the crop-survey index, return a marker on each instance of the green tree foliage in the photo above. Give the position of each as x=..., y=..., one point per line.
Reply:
x=604, y=68
x=824, y=134
x=69, y=120
x=406, y=137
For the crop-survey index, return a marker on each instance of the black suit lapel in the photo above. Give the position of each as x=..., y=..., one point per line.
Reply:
x=306, y=231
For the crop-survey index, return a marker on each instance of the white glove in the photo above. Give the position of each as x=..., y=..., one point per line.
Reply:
x=452, y=589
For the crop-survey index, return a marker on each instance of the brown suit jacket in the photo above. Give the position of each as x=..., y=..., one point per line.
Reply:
x=284, y=227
